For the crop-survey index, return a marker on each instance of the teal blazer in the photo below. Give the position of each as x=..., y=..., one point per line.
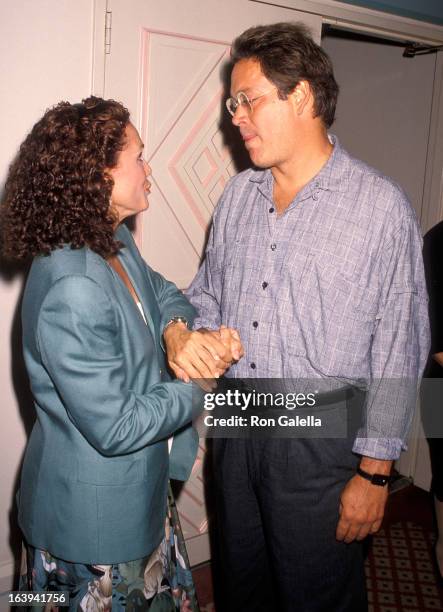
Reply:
x=94, y=480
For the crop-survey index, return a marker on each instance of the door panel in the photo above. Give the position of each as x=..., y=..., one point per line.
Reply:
x=168, y=66
x=185, y=148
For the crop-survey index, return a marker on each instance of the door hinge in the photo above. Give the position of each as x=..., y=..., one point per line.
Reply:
x=108, y=29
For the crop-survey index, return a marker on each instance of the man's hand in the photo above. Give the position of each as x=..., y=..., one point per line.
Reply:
x=201, y=353
x=362, y=504
x=231, y=340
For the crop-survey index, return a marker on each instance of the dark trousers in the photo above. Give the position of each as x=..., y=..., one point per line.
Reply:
x=277, y=504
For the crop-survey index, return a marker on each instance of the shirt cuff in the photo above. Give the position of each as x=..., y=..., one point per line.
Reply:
x=379, y=448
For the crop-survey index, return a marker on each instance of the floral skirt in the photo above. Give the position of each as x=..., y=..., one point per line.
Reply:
x=161, y=582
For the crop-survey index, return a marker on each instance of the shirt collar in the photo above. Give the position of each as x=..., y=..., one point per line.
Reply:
x=333, y=176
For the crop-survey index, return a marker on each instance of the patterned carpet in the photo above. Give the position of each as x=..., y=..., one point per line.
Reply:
x=400, y=568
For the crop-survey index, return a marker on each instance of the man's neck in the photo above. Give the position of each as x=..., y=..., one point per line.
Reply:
x=313, y=151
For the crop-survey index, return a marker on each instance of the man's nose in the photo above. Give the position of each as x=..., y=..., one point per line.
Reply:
x=241, y=113
x=148, y=170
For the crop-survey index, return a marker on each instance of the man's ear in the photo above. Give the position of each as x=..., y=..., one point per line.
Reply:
x=301, y=96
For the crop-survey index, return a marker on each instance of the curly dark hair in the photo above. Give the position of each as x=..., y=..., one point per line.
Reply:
x=58, y=190
x=288, y=55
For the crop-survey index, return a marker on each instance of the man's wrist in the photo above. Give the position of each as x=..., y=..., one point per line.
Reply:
x=376, y=466
x=377, y=479
x=375, y=471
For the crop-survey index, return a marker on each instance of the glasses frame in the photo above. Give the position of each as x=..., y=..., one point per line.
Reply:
x=234, y=100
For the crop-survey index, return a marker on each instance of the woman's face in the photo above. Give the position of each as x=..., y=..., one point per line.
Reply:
x=130, y=175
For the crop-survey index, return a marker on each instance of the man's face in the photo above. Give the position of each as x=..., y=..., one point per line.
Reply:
x=269, y=131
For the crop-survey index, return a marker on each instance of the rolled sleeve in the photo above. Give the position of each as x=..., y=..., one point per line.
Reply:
x=399, y=349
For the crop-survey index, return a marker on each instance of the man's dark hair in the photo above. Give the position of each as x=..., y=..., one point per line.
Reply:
x=288, y=55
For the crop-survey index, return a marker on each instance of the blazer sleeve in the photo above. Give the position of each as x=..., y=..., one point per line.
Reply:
x=172, y=302
x=183, y=453
x=80, y=349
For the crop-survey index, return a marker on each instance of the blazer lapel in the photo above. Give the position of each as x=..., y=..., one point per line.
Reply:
x=139, y=282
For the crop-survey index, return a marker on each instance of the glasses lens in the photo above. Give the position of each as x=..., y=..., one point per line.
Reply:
x=231, y=105
x=243, y=100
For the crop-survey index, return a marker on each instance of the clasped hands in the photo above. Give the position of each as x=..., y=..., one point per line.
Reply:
x=201, y=354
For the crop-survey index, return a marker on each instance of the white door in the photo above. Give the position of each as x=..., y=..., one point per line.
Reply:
x=166, y=65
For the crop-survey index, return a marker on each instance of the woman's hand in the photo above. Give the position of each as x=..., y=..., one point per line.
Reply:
x=202, y=353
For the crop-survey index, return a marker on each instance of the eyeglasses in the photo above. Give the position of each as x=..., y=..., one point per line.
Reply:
x=241, y=99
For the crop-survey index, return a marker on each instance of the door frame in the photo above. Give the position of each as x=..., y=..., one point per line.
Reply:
x=335, y=13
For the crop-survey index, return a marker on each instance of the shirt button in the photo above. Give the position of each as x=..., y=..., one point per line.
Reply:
x=271, y=210
x=273, y=247
x=315, y=196
x=264, y=284
x=255, y=324
x=252, y=365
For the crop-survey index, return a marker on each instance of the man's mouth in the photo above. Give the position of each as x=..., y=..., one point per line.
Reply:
x=247, y=136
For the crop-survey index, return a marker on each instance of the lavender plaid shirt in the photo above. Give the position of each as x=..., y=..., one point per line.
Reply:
x=332, y=289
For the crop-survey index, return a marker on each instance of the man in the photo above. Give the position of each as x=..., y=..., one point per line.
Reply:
x=315, y=258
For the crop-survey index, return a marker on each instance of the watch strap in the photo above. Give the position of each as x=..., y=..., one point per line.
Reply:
x=381, y=480
x=176, y=320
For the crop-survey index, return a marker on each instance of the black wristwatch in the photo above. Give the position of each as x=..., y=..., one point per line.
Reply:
x=381, y=480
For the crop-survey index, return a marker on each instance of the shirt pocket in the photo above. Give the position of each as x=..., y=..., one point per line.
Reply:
x=335, y=318
x=234, y=267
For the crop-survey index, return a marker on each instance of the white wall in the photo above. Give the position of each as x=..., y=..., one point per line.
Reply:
x=46, y=57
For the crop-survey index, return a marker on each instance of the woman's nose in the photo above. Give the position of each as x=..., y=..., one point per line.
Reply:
x=148, y=170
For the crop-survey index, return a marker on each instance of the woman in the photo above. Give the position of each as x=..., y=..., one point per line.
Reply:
x=93, y=493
